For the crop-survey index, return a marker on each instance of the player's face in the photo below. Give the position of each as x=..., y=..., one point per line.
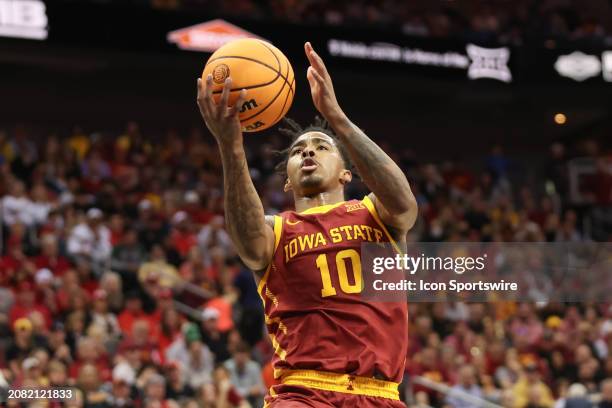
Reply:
x=315, y=165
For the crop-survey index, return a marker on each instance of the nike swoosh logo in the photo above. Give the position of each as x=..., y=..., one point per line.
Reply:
x=293, y=222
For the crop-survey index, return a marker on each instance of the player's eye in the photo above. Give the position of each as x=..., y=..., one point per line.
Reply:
x=296, y=151
x=321, y=147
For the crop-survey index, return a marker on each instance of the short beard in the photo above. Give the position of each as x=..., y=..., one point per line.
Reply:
x=311, y=181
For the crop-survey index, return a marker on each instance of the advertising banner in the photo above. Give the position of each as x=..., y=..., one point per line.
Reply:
x=372, y=50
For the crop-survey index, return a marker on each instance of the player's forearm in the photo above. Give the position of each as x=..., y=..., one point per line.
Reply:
x=377, y=170
x=244, y=212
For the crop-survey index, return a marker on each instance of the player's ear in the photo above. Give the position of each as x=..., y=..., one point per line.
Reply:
x=287, y=187
x=345, y=176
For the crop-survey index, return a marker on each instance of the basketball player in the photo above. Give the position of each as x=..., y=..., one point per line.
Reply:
x=332, y=348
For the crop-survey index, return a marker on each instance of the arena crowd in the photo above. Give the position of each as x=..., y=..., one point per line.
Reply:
x=548, y=22
x=118, y=278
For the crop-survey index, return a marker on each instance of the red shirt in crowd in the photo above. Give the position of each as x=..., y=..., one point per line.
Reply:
x=183, y=241
x=101, y=365
x=126, y=320
x=58, y=265
x=18, y=311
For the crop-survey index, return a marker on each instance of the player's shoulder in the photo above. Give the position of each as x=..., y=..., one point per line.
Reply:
x=335, y=209
x=270, y=220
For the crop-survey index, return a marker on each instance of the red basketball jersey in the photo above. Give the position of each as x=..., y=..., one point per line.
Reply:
x=314, y=313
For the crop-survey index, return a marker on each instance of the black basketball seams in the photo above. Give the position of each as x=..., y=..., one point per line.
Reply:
x=250, y=86
x=277, y=60
x=278, y=93
x=286, y=96
x=280, y=68
x=278, y=72
x=252, y=60
x=267, y=106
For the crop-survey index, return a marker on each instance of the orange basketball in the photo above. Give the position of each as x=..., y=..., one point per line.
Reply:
x=261, y=69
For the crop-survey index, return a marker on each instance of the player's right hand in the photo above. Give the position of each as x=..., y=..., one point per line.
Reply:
x=222, y=120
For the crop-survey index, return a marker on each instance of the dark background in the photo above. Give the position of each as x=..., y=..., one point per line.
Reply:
x=105, y=65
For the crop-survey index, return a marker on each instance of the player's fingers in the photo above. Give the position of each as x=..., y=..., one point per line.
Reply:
x=310, y=54
x=311, y=79
x=199, y=88
x=315, y=60
x=308, y=50
x=208, y=89
x=235, y=110
x=202, y=104
x=223, y=102
x=312, y=73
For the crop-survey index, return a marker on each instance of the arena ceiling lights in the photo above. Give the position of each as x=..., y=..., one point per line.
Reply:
x=580, y=66
x=207, y=37
x=23, y=19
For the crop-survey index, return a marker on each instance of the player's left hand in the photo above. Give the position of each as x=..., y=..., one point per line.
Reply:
x=321, y=86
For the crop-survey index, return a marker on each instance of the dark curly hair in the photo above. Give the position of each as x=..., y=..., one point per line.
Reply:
x=294, y=130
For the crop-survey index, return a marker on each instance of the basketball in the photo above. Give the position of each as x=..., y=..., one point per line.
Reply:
x=261, y=69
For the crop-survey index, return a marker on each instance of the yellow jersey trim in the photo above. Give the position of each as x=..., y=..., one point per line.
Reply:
x=344, y=383
x=372, y=209
x=278, y=231
x=322, y=208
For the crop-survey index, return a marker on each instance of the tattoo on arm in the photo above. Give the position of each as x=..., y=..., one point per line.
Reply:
x=244, y=212
x=378, y=171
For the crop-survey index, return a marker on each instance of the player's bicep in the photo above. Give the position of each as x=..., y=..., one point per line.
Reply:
x=401, y=223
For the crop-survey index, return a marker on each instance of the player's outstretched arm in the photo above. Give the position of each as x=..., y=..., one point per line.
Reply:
x=392, y=195
x=244, y=212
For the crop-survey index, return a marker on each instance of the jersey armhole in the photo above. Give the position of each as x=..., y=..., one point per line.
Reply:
x=367, y=201
x=278, y=231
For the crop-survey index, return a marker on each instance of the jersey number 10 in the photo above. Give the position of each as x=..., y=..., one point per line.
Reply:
x=341, y=259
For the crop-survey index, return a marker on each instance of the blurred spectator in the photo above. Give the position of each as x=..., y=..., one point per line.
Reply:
x=606, y=394
x=122, y=393
x=16, y=205
x=101, y=316
x=245, y=374
x=158, y=270
x=176, y=386
x=171, y=322
x=90, y=353
x=127, y=257
x=91, y=239
x=22, y=344
x=182, y=238
x=147, y=283
x=133, y=311
x=221, y=392
x=193, y=355
x=530, y=391
x=214, y=235
x=90, y=384
x=58, y=376
x=27, y=304
x=155, y=392
x=50, y=257
x=576, y=398
x=466, y=385
x=216, y=340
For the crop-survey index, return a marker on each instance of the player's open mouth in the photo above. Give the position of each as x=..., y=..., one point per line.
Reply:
x=309, y=164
